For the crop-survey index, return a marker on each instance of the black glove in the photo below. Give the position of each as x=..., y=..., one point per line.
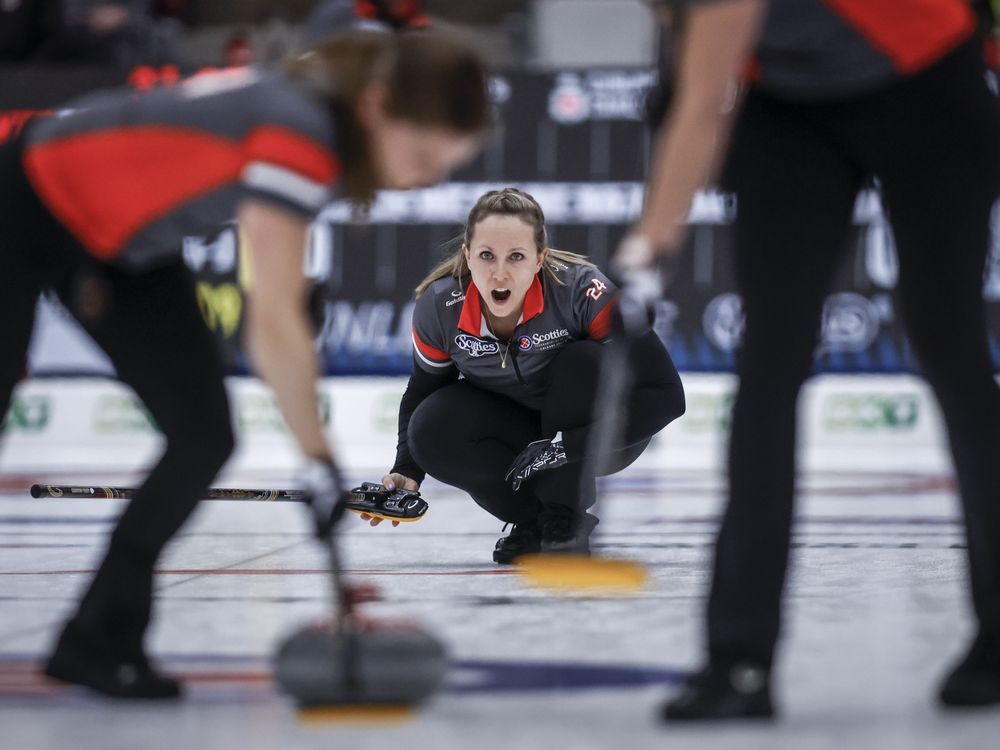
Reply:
x=372, y=499
x=325, y=494
x=540, y=455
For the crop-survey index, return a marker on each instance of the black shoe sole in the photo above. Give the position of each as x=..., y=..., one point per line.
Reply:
x=506, y=558
x=979, y=695
x=675, y=716
x=728, y=711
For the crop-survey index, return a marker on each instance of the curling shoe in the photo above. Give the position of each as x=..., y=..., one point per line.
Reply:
x=524, y=539
x=975, y=681
x=565, y=531
x=738, y=691
x=81, y=658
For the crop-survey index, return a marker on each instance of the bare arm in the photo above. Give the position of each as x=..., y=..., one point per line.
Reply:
x=716, y=41
x=279, y=334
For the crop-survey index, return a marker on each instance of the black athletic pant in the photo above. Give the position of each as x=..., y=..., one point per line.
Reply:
x=468, y=437
x=150, y=326
x=932, y=142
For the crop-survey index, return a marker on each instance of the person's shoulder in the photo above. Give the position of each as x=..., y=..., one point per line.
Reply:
x=577, y=276
x=287, y=92
x=442, y=296
x=575, y=272
x=279, y=100
x=447, y=287
x=88, y=112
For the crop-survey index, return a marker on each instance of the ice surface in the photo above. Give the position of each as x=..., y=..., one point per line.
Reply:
x=878, y=610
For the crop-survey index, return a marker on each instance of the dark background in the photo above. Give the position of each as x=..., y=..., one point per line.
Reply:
x=566, y=131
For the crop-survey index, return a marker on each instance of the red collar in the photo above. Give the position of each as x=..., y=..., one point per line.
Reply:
x=471, y=318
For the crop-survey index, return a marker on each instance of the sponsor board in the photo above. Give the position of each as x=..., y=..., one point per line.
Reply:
x=27, y=414
x=119, y=413
x=707, y=413
x=568, y=100
x=723, y=321
x=385, y=412
x=257, y=413
x=577, y=143
x=98, y=425
x=600, y=95
x=991, y=278
x=871, y=412
x=594, y=202
x=852, y=322
x=371, y=334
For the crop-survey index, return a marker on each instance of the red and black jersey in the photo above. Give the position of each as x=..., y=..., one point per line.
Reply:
x=825, y=49
x=449, y=331
x=129, y=175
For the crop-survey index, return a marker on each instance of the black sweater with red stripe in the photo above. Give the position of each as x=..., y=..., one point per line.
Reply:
x=129, y=175
x=451, y=340
x=450, y=332
x=830, y=49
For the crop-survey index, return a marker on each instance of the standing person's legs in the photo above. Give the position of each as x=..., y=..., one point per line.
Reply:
x=151, y=327
x=795, y=193
x=941, y=176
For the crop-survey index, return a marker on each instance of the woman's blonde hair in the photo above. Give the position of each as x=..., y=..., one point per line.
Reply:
x=506, y=202
x=432, y=79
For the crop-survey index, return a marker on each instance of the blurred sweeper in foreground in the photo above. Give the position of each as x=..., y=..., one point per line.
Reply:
x=841, y=91
x=95, y=203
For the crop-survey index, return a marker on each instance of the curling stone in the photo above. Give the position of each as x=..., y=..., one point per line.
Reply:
x=391, y=666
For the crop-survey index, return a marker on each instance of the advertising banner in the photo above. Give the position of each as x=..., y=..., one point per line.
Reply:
x=578, y=141
x=97, y=428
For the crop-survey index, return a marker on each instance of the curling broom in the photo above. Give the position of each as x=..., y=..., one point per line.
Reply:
x=580, y=571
